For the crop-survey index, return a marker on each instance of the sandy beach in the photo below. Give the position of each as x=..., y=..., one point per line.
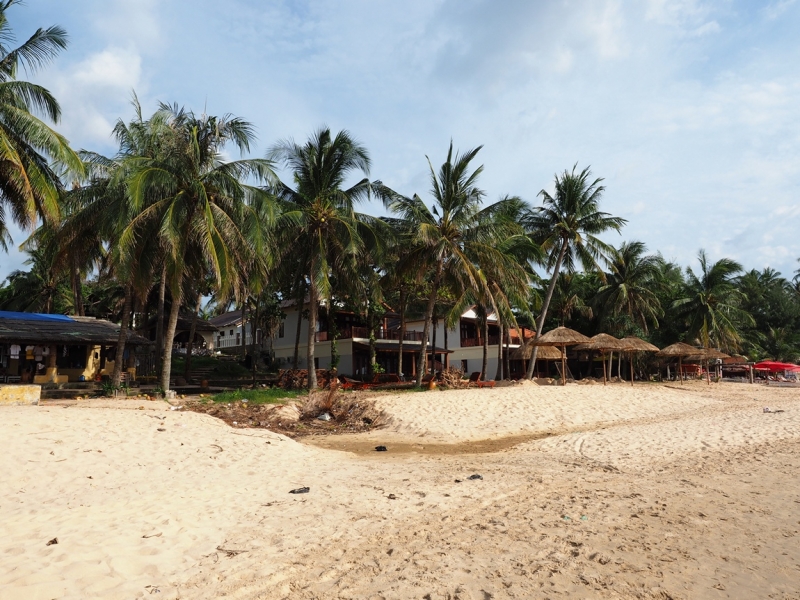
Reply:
x=652, y=491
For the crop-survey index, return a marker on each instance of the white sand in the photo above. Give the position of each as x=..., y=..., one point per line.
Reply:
x=650, y=492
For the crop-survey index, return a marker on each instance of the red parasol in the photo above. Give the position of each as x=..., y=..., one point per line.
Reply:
x=775, y=367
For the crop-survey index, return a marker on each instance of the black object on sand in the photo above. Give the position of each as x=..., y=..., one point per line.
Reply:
x=380, y=448
x=302, y=490
x=476, y=476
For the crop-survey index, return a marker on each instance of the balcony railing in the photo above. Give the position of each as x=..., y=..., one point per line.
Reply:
x=478, y=341
x=362, y=332
x=231, y=342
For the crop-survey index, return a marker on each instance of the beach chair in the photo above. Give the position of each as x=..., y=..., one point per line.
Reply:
x=475, y=378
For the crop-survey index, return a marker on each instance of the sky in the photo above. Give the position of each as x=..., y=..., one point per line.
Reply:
x=689, y=110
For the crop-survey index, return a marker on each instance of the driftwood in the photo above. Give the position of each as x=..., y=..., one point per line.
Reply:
x=297, y=379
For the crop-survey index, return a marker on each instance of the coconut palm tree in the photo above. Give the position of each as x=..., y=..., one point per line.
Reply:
x=566, y=226
x=319, y=215
x=712, y=304
x=29, y=185
x=193, y=201
x=453, y=237
x=630, y=286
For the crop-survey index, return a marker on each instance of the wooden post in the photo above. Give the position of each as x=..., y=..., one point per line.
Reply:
x=631, y=357
x=564, y=365
x=680, y=369
x=604, y=369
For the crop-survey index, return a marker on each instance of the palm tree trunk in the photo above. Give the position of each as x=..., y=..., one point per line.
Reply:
x=402, y=331
x=499, y=375
x=312, y=326
x=244, y=325
x=372, y=343
x=77, y=288
x=433, y=349
x=546, y=305
x=162, y=292
x=192, y=332
x=506, y=356
x=122, y=338
x=253, y=355
x=423, y=355
x=300, y=299
x=485, y=364
x=169, y=337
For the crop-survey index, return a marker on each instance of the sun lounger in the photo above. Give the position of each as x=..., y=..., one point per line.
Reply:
x=475, y=378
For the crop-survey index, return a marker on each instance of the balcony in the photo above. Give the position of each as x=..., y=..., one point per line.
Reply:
x=363, y=333
x=478, y=341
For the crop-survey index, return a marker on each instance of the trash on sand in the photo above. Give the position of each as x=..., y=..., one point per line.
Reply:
x=584, y=518
x=380, y=448
x=766, y=409
x=458, y=481
x=175, y=407
x=566, y=518
x=392, y=497
x=476, y=476
x=160, y=429
x=325, y=417
x=366, y=420
x=302, y=490
x=51, y=542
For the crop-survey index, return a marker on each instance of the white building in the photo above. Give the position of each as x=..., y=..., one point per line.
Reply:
x=461, y=347
x=230, y=333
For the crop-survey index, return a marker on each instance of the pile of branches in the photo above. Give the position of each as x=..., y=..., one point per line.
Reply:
x=297, y=379
x=453, y=377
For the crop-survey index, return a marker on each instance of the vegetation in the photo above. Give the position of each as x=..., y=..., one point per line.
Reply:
x=168, y=220
x=265, y=396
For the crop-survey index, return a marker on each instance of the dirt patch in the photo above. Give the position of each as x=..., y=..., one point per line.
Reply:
x=349, y=413
x=358, y=445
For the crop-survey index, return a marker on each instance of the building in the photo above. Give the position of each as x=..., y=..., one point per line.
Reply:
x=42, y=348
x=229, y=332
x=461, y=347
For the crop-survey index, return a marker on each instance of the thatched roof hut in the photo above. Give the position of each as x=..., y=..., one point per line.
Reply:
x=560, y=336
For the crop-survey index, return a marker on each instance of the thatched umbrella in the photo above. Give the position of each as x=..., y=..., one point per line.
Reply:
x=706, y=354
x=545, y=352
x=680, y=350
x=635, y=344
x=602, y=342
x=563, y=337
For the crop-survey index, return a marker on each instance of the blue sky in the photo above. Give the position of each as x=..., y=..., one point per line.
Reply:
x=689, y=110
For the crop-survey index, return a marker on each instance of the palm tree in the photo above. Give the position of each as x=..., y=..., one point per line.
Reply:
x=566, y=227
x=319, y=217
x=451, y=239
x=711, y=304
x=29, y=186
x=630, y=286
x=193, y=202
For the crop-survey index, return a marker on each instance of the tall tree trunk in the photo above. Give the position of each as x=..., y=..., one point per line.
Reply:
x=485, y=364
x=169, y=337
x=77, y=288
x=312, y=326
x=506, y=355
x=499, y=375
x=433, y=349
x=192, y=332
x=162, y=292
x=373, y=354
x=426, y=329
x=546, y=305
x=122, y=338
x=300, y=299
x=253, y=346
x=244, y=325
x=402, y=331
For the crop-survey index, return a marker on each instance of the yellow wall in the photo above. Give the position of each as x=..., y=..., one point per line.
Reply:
x=15, y=395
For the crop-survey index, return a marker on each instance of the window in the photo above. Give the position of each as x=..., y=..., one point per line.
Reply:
x=465, y=366
x=221, y=334
x=231, y=332
x=282, y=329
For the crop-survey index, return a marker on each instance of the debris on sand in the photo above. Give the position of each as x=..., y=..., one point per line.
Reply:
x=301, y=490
